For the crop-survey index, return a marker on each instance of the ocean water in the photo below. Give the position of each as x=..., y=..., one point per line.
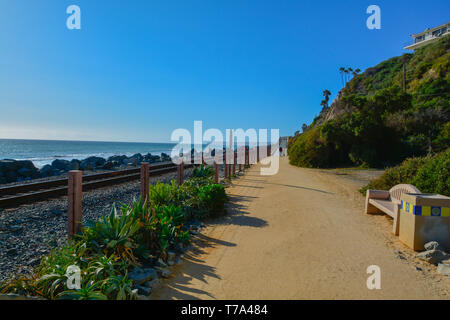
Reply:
x=43, y=152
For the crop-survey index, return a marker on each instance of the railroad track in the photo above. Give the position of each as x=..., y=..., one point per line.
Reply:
x=32, y=192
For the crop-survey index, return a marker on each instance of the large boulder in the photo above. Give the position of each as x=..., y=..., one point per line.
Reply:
x=140, y=276
x=92, y=163
x=151, y=158
x=11, y=176
x=433, y=256
x=75, y=164
x=138, y=158
x=27, y=169
x=444, y=268
x=130, y=162
x=165, y=157
x=117, y=160
x=61, y=165
x=46, y=171
x=433, y=245
x=109, y=165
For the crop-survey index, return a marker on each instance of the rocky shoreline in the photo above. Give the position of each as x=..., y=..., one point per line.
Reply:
x=12, y=171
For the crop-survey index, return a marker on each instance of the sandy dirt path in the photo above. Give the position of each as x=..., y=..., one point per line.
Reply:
x=300, y=234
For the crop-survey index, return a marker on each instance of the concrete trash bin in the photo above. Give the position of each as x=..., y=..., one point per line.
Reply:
x=423, y=218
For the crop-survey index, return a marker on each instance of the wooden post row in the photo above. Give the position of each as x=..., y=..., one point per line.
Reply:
x=75, y=191
x=226, y=166
x=145, y=180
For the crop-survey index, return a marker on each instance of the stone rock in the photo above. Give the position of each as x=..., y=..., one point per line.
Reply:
x=433, y=256
x=145, y=291
x=117, y=160
x=46, y=171
x=129, y=162
x=161, y=263
x=140, y=276
x=34, y=262
x=15, y=228
x=75, y=164
x=138, y=157
x=165, y=272
x=154, y=284
x=11, y=252
x=61, y=165
x=165, y=157
x=11, y=176
x=171, y=256
x=433, y=245
x=92, y=163
x=108, y=165
x=444, y=268
x=56, y=212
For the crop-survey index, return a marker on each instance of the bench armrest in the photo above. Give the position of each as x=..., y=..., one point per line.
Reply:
x=377, y=194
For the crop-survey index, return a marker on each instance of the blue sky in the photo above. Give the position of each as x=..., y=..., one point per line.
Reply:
x=137, y=70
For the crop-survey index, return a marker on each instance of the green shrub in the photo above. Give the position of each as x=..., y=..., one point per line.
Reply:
x=203, y=172
x=212, y=198
x=430, y=174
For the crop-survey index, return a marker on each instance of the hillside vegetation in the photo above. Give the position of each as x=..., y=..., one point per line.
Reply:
x=377, y=121
x=430, y=174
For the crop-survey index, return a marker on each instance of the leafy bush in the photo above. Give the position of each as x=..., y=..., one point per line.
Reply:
x=430, y=174
x=212, y=198
x=203, y=172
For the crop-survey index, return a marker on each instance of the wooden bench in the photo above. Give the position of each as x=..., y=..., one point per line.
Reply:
x=388, y=202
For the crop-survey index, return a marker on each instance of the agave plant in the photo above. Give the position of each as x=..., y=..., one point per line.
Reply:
x=119, y=288
x=161, y=194
x=113, y=234
x=87, y=292
x=203, y=172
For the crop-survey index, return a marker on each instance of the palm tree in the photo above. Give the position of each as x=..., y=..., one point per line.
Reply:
x=349, y=72
x=341, y=71
x=327, y=94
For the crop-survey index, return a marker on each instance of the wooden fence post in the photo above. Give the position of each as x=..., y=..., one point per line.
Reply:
x=240, y=161
x=257, y=154
x=247, y=162
x=234, y=162
x=75, y=192
x=226, y=165
x=145, y=180
x=216, y=172
x=180, y=173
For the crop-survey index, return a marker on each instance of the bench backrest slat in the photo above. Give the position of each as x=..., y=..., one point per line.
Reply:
x=397, y=191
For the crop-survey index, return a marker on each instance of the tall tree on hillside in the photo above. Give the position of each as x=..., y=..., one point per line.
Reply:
x=304, y=127
x=327, y=94
x=349, y=73
x=324, y=105
x=341, y=71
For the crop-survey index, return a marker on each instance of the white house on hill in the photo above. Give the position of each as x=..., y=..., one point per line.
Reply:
x=429, y=35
